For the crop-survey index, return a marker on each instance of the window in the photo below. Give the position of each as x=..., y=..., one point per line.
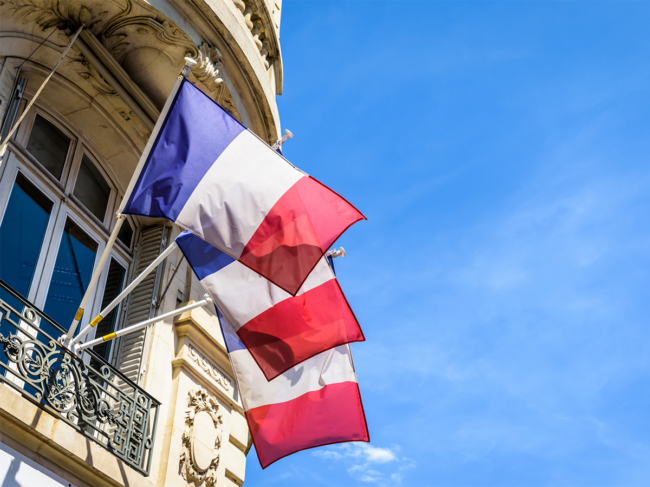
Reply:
x=21, y=238
x=92, y=189
x=114, y=286
x=72, y=272
x=49, y=146
x=52, y=232
x=125, y=235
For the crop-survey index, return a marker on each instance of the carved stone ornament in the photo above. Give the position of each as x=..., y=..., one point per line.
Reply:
x=209, y=368
x=255, y=20
x=148, y=46
x=207, y=69
x=201, y=438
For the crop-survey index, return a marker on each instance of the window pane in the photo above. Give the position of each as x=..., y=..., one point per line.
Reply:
x=92, y=189
x=21, y=238
x=72, y=272
x=126, y=233
x=49, y=146
x=114, y=285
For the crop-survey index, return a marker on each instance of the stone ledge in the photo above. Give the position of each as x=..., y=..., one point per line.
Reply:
x=205, y=334
x=203, y=380
x=44, y=434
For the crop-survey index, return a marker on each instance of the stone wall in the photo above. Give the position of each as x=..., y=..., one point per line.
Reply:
x=109, y=90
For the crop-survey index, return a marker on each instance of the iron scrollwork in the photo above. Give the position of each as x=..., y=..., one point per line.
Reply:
x=94, y=398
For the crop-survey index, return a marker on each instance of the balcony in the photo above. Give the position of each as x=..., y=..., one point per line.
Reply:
x=90, y=395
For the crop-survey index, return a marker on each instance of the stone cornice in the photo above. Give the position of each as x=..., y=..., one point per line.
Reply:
x=200, y=353
x=132, y=30
x=238, y=49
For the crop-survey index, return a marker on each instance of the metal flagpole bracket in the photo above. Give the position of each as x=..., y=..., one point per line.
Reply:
x=278, y=145
x=80, y=347
x=127, y=290
x=335, y=253
x=189, y=64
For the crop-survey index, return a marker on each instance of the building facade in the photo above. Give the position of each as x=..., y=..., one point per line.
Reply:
x=159, y=407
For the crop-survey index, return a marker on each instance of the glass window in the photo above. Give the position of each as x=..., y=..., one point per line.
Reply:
x=114, y=285
x=92, y=189
x=21, y=238
x=72, y=272
x=126, y=233
x=49, y=146
x=21, y=234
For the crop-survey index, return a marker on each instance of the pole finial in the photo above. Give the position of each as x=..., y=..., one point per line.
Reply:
x=278, y=145
x=189, y=64
x=335, y=253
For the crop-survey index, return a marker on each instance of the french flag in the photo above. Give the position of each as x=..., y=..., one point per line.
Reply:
x=279, y=330
x=212, y=176
x=313, y=404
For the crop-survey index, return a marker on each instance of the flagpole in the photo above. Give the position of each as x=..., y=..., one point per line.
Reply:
x=3, y=146
x=189, y=62
x=143, y=324
x=123, y=294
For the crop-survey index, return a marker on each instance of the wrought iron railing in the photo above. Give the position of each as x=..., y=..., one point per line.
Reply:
x=90, y=395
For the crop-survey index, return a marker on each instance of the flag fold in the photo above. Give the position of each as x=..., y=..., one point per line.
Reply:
x=209, y=174
x=314, y=404
x=279, y=330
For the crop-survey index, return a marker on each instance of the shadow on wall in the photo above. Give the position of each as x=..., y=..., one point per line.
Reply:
x=19, y=471
x=10, y=477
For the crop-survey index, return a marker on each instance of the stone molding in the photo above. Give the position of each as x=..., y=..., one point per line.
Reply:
x=199, y=338
x=260, y=25
x=207, y=70
x=199, y=458
x=209, y=368
x=127, y=30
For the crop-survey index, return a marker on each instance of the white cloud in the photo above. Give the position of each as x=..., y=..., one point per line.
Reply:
x=327, y=454
x=374, y=454
x=372, y=458
x=396, y=478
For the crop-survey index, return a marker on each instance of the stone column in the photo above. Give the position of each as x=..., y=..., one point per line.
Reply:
x=207, y=432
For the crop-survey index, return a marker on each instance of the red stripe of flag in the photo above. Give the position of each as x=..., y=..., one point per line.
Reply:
x=297, y=231
x=333, y=414
x=299, y=328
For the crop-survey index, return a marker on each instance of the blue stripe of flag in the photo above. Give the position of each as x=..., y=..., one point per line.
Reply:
x=202, y=257
x=195, y=133
x=233, y=343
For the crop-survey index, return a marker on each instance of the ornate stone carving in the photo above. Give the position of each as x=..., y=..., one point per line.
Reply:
x=207, y=69
x=137, y=33
x=254, y=19
x=201, y=439
x=241, y=6
x=209, y=368
x=88, y=72
x=48, y=13
x=123, y=26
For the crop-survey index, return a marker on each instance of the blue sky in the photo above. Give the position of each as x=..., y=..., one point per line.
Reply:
x=500, y=153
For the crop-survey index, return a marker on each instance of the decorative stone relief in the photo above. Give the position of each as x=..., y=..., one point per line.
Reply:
x=253, y=18
x=209, y=368
x=88, y=72
x=133, y=34
x=48, y=13
x=148, y=46
x=241, y=6
x=201, y=439
x=207, y=69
